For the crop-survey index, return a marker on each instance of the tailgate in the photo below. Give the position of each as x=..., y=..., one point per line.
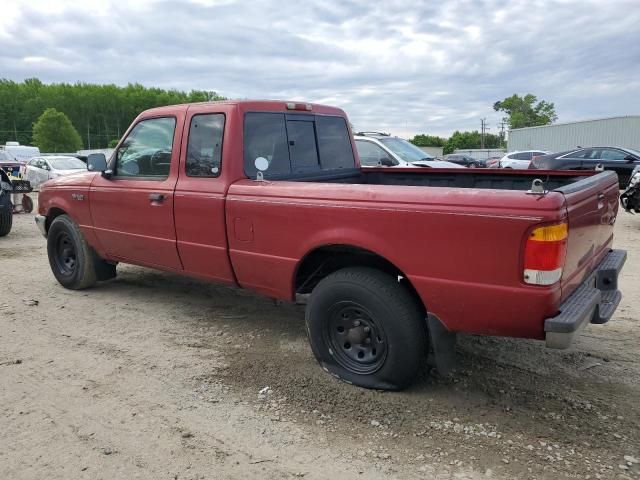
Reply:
x=592, y=206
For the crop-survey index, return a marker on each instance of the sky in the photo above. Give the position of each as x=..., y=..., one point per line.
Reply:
x=404, y=67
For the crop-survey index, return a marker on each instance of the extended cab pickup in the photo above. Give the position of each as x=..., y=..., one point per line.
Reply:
x=391, y=264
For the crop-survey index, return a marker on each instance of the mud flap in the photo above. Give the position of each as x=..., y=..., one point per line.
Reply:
x=443, y=345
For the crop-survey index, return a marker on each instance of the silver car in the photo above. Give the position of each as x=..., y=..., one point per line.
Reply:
x=40, y=169
x=381, y=149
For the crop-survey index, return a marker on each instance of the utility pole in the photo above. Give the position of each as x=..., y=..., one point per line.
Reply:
x=483, y=127
x=501, y=126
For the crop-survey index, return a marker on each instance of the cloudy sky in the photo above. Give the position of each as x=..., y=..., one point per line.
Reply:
x=401, y=66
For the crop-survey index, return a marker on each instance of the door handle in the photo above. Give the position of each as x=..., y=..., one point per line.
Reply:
x=156, y=197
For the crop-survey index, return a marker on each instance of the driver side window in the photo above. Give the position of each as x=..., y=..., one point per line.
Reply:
x=146, y=152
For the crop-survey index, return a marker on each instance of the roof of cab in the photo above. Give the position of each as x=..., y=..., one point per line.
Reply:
x=254, y=105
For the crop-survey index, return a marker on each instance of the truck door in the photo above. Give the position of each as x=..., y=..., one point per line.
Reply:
x=200, y=196
x=132, y=211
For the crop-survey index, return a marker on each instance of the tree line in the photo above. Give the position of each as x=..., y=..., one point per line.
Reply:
x=99, y=113
x=520, y=112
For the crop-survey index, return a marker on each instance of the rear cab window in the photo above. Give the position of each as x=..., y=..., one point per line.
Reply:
x=296, y=145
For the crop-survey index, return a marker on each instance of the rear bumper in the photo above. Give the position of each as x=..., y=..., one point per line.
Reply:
x=594, y=301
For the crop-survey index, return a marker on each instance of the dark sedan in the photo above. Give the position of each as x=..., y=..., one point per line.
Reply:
x=621, y=160
x=464, y=160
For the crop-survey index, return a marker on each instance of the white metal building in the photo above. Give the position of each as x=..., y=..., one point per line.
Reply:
x=614, y=131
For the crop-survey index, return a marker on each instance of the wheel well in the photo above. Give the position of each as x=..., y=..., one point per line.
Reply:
x=325, y=260
x=51, y=215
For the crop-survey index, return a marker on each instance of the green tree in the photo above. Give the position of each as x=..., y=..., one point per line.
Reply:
x=53, y=132
x=113, y=143
x=99, y=112
x=423, y=140
x=470, y=140
x=526, y=111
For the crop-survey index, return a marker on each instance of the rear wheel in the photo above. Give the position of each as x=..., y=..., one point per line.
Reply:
x=6, y=214
x=367, y=329
x=73, y=262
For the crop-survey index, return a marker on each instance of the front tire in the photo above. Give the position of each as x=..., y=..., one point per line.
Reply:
x=73, y=262
x=367, y=329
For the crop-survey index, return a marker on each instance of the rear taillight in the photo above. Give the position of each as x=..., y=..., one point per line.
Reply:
x=544, y=254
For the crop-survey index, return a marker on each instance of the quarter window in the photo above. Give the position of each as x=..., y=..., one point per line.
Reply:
x=146, y=152
x=204, y=150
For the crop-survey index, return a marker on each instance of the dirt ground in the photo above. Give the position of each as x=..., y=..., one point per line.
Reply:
x=155, y=376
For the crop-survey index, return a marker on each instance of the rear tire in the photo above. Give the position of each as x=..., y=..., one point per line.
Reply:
x=6, y=214
x=367, y=329
x=73, y=262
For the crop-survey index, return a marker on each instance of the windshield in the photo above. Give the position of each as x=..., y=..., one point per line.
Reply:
x=405, y=150
x=635, y=152
x=67, y=163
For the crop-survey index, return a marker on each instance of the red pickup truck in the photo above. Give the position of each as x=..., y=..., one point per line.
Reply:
x=391, y=263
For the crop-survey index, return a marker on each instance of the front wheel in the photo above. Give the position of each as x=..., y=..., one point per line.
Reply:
x=73, y=262
x=367, y=329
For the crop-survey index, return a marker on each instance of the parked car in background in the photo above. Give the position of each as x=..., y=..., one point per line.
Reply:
x=21, y=153
x=493, y=162
x=620, y=160
x=381, y=149
x=520, y=159
x=9, y=164
x=464, y=160
x=41, y=169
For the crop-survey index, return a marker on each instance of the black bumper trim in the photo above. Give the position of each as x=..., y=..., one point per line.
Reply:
x=595, y=301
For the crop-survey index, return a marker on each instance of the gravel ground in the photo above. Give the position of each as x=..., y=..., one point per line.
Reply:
x=161, y=377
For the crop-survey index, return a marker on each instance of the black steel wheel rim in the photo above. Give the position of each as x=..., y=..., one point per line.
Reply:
x=65, y=254
x=356, y=340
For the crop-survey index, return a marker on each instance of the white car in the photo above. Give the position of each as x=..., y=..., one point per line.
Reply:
x=40, y=169
x=381, y=149
x=520, y=159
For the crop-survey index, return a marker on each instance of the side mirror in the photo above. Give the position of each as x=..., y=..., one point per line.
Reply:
x=387, y=162
x=630, y=158
x=96, y=162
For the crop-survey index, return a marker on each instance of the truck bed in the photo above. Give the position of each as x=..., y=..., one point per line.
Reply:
x=468, y=178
